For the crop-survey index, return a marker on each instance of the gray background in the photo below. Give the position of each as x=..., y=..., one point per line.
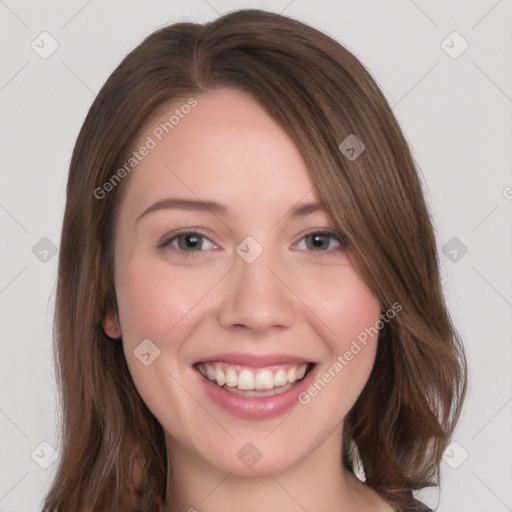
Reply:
x=455, y=110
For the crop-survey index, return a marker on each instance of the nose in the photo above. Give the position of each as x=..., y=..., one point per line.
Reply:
x=257, y=295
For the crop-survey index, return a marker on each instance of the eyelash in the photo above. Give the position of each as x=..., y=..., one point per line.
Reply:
x=167, y=240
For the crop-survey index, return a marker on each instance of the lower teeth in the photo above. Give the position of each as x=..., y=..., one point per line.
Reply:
x=258, y=393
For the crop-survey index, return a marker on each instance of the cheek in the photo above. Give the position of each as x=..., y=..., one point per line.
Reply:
x=344, y=306
x=158, y=305
x=347, y=313
x=162, y=305
x=155, y=302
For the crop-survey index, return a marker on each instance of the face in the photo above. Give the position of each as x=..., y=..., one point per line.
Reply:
x=239, y=308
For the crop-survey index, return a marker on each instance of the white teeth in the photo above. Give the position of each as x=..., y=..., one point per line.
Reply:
x=246, y=379
x=280, y=378
x=264, y=380
x=231, y=378
x=259, y=393
x=210, y=372
x=301, y=372
x=219, y=376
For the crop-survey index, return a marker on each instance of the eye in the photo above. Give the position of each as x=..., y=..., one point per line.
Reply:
x=187, y=241
x=323, y=241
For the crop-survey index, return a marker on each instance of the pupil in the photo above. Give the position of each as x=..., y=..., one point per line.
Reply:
x=191, y=241
x=317, y=241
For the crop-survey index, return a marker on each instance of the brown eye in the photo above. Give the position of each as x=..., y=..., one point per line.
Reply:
x=318, y=241
x=323, y=241
x=187, y=241
x=190, y=241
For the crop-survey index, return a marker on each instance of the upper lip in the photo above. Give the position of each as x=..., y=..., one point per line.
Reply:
x=256, y=360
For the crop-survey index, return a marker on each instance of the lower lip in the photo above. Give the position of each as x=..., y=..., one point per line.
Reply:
x=256, y=408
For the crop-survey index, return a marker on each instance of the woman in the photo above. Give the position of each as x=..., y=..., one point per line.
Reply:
x=249, y=310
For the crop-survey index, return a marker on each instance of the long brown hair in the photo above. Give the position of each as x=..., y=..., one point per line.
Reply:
x=320, y=93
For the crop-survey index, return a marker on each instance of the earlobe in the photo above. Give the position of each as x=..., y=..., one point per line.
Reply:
x=111, y=326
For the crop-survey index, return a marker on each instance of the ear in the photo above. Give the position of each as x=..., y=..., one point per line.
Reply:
x=111, y=325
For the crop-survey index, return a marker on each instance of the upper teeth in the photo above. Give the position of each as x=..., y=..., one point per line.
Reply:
x=247, y=378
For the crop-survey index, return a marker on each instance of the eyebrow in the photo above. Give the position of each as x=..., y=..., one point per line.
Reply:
x=217, y=208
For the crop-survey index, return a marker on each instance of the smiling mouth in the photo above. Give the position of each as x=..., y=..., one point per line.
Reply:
x=254, y=382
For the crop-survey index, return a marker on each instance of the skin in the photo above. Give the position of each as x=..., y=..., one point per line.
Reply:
x=194, y=303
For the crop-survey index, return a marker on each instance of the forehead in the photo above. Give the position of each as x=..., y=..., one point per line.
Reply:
x=226, y=147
